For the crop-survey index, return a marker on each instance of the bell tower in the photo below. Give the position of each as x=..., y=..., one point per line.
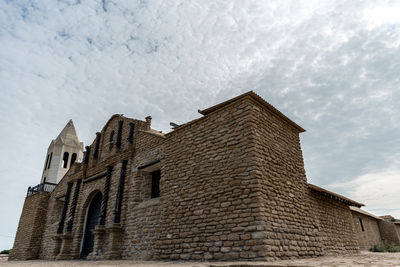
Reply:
x=61, y=154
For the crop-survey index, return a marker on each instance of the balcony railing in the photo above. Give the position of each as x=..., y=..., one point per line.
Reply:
x=43, y=187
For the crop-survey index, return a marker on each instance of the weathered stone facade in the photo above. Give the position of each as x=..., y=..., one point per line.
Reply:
x=335, y=225
x=389, y=232
x=367, y=228
x=230, y=185
x=30, y=228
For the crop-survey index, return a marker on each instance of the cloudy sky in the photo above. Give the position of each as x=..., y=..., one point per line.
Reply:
x=331, y=66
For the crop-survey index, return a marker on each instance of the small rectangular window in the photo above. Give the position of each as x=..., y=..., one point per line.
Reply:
x=155, y=184
x=361, y=224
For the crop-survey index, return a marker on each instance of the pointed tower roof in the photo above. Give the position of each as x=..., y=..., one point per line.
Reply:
x=68, y=134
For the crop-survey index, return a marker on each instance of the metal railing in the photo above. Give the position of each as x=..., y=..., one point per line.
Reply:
x=43, y=187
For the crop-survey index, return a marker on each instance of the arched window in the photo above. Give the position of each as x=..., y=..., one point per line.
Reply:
x=73, y=158
x=65, y=159
x=51, y=155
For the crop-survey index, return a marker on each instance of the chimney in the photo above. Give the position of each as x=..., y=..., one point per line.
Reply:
x=148, y=123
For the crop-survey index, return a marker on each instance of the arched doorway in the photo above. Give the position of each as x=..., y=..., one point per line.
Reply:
x=92, y=219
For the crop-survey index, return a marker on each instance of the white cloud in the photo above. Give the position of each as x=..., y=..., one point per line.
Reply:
x=379, y=191
x=386, y=12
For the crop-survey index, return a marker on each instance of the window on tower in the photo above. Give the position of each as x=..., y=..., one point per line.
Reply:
x=73, y=158
x=65, y=160
x=51, y=155
x=47, y=162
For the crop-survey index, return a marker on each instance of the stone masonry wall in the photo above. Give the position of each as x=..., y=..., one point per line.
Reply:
x=370, y=235
x=143, y=214
x=210, y=198
x=142, y=230
x=288, y=229
x=398, y=229
x=335, y=225
x=389, y=232
x=30, y=228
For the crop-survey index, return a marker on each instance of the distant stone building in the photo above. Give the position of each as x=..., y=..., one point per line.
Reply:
x=230, y=185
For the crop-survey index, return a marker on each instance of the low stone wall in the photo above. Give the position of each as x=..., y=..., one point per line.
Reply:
x=28, y=239
x=368, y=233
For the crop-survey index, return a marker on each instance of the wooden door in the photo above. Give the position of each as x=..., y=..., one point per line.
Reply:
x=92, y=219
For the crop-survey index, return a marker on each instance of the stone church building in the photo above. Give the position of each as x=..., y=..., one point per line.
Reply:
x=230, y=185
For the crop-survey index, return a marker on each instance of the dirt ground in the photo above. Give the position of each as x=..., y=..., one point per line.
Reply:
x=363, y=259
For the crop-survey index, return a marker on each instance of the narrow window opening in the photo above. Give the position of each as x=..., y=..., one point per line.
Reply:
x=51, y=155
x=86, y=159
x=112, y=136
x=97, y=146
x=44, y=180
x=65, y=159
x=155, y=184
x=131, y=129
x=111, y=140
x=119, y=134
x=73, y=158
x=47, y=161
x=361, y=224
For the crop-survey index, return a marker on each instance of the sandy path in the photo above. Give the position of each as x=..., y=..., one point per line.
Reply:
x=363, y=259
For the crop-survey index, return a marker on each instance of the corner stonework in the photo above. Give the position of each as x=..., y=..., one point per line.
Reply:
x=31, y=225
